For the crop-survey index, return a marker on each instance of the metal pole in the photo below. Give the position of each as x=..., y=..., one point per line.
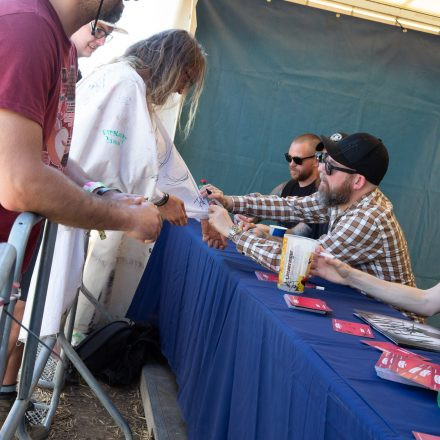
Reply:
x=36, y=319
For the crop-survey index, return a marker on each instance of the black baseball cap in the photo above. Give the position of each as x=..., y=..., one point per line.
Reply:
x=361, y=152
x=335, y=137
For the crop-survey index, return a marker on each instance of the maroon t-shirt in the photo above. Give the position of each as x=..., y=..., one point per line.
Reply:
x=37, y=80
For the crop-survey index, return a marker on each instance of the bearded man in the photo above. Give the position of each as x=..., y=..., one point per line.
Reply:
x=363, y=230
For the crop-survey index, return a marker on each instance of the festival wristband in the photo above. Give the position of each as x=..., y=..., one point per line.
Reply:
x=101, y=191
x=93, y=186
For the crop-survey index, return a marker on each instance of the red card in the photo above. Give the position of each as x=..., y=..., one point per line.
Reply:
x=306, y=303
x=266, y=276
x=383, y=369
x=423, y=436
x=352, y=328
x=423, y=373
x=389, y=347
x=411, y=368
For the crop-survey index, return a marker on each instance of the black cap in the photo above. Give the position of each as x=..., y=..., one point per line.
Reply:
x=335, y=137
x=361, y=152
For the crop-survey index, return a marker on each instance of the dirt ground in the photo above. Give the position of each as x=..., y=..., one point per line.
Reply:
x=80, y=415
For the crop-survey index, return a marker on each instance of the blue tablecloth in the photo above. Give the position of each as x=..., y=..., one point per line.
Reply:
x=250, y=368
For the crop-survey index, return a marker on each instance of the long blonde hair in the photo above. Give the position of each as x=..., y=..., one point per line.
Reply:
x=162, y=60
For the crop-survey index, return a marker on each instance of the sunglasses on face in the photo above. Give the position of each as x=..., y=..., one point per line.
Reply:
x=323, y=158
x=296, y=159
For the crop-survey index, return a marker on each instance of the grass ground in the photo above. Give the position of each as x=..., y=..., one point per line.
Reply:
x=80, y=415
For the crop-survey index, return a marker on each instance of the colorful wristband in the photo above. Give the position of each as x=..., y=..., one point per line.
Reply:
x=93, y=186
x=103, y=190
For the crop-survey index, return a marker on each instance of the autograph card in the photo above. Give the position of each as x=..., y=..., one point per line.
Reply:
x=266, y=276
x=352, y=328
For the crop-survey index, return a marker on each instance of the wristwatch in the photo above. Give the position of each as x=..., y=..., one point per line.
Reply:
x=163, y=200
x=234, y=230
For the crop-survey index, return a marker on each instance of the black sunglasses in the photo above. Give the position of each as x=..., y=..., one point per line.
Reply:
x=322, y=158
x=296, y=159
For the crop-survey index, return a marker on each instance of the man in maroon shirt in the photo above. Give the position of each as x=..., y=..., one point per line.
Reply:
x=37, y=95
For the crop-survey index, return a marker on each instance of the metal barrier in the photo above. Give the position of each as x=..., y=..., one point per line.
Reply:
x=37, y=353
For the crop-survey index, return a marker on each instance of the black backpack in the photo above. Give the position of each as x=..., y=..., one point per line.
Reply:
x=116, y=352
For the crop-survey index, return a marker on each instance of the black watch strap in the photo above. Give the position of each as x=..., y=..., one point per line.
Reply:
x=163, y=200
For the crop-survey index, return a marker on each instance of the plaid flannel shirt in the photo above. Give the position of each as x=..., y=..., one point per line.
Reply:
x=366, y=235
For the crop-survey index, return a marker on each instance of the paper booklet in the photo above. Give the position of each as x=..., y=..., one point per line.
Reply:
x=352, y=328
x=392, y=348
x=306, y=304
x=402, y=331
x=409, y=370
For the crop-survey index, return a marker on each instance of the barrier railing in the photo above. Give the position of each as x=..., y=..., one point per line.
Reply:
x=33, y=364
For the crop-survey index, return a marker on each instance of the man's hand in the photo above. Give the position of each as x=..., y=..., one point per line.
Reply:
x=212, y=193
x=128, y=199
x=328, y=268
x=211, y=236
x=146, y=222
x=242, y=220
x=220, y=220
x=259, y=230
x=174, y=211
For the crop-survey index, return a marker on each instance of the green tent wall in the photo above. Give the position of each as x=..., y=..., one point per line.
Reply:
x=277, y=69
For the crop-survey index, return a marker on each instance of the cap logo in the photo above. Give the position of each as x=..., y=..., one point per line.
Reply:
x=336, y=137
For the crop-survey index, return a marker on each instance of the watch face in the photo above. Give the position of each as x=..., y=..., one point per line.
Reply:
x=233, y=231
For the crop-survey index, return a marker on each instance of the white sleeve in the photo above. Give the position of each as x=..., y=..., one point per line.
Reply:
x=174, y=175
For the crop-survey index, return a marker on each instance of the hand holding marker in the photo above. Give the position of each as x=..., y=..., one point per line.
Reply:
x=203, y=182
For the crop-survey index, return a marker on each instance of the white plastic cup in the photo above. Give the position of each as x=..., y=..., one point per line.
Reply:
x=277, y=231
x=296, y=257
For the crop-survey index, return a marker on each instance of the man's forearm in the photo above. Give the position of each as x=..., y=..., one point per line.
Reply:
x=265, y=252
x=56, y=197
x=267, y=207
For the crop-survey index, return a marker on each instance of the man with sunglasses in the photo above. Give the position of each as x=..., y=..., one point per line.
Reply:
x=363, y=230
x=304, y=181
x=37, y=96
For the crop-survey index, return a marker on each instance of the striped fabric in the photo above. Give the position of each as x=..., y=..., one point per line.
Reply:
x=366, y=235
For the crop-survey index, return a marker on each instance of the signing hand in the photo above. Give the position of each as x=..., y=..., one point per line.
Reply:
x=174, y=211
x=241, y=219
x=211, y=236
x=259, y=230
x=328, y=268
x=220, y=220
x=212, y=193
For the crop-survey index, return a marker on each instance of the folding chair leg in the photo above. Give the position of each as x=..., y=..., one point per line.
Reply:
x=95, y=387
x=16, y=414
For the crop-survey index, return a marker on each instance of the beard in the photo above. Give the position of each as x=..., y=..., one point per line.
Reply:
x=300, y=175
x=335, y=197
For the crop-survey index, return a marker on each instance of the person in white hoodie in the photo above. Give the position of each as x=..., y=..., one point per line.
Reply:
x=119, y=139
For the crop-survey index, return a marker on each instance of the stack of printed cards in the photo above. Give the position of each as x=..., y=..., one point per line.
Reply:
x=411, y=370
x=306, y=304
